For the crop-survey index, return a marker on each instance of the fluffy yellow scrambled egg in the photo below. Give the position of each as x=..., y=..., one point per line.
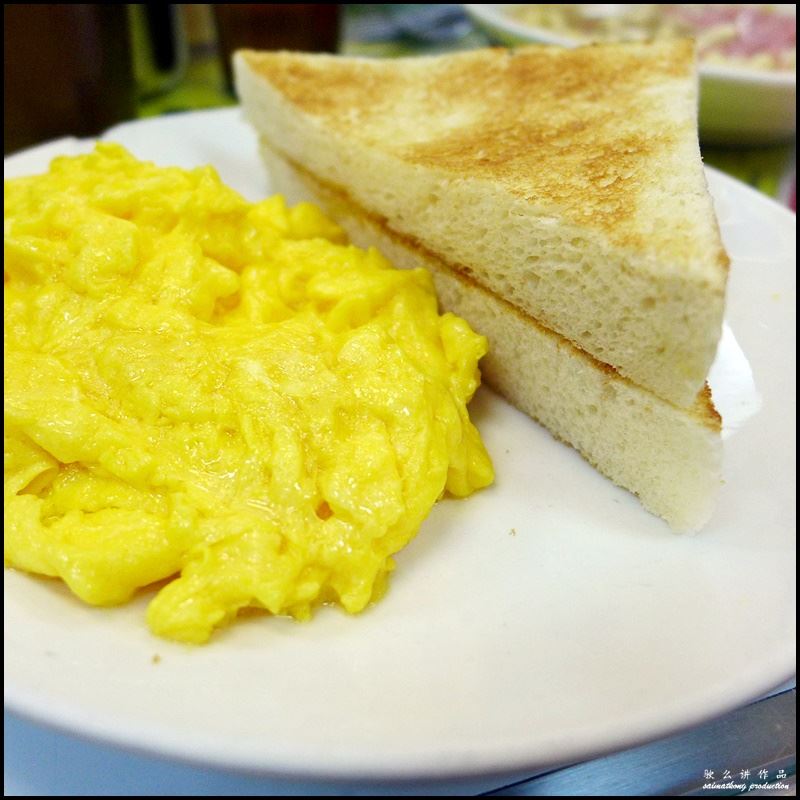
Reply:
x=223, y=394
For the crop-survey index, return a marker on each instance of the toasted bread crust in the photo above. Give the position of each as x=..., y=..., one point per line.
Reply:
x=336, y=198
x=585, y=131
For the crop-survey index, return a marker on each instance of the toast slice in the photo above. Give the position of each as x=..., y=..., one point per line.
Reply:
x=567, y=182
x=670, y=457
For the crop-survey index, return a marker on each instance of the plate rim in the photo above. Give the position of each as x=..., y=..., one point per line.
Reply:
x=205, y=752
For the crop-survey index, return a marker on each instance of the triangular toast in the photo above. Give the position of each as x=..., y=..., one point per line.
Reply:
x=559, y=201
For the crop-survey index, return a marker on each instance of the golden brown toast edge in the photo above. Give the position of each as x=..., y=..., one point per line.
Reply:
x=588, y=138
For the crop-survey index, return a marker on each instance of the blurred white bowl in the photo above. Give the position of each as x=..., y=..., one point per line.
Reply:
x=737, y=105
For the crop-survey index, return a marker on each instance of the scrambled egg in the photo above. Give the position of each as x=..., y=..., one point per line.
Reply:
x=220, y=395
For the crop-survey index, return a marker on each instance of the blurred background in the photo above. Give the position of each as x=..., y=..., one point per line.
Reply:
x=78, y=68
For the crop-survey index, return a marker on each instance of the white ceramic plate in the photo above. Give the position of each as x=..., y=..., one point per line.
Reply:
x=591, y=628
x=737, y=105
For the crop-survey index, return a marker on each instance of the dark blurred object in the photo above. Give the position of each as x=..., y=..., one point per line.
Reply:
x=290, y=26
x=422, y=22
x=67, y=71
x=160, y=47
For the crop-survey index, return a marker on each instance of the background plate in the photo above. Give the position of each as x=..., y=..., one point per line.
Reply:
x=542, y=621
x=738, y=105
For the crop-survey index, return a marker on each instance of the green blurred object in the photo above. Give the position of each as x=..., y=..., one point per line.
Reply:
x=763, y=168
x=158, y=46
x=193, y=78
x=203, y=86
